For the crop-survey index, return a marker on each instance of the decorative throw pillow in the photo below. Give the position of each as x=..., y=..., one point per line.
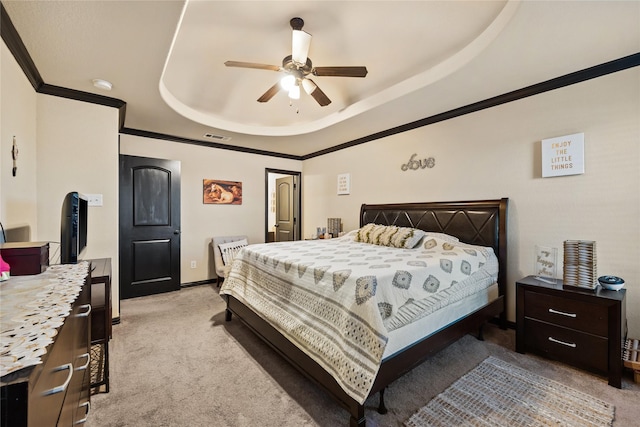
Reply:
x=389, y=235
x=230, y=249
x=407, y=237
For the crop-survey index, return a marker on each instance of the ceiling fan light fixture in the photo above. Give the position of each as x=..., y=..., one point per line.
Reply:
x=294, y=92
x=297, y=69
x=308, y=86
x=287, y=82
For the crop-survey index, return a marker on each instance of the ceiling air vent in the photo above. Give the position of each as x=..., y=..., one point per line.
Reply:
x=217, y=137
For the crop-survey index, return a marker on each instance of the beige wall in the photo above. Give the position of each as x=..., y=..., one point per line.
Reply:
x=496, y=153
x=18, y=195
x=65, y=146
x=77, y=150
x=201, y=222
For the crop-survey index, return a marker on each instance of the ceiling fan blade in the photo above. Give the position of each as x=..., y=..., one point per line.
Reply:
x=300, y=42
x=312, y=89
x=252, y=65
x=340, y=71
x=270, y=93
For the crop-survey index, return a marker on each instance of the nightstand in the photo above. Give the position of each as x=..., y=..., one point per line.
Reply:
x=582, y=328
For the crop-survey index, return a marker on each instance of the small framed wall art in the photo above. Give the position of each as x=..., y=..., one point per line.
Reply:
x=344, y=183
x=217, y=192
x=563, y=155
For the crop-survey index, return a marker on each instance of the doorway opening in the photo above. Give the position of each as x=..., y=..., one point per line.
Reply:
x=283, y=205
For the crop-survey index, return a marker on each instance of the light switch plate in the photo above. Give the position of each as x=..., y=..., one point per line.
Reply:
x=94, y=199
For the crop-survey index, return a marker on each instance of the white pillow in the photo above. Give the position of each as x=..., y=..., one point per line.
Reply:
x=443, y=236
x=230, y=249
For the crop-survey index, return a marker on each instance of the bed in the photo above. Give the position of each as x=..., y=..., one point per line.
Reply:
x=480, y=223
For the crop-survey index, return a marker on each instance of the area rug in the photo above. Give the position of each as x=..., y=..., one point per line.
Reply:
x=496, y=393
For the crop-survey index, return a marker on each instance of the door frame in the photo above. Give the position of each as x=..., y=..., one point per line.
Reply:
x=267, y=196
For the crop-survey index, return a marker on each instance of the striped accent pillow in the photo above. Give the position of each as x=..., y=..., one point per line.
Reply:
x=389, y=235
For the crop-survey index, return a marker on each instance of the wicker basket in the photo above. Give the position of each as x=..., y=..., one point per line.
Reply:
x=631, y=357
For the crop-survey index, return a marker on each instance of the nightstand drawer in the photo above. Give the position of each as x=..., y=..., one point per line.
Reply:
x=567, y=312
x=567, y=345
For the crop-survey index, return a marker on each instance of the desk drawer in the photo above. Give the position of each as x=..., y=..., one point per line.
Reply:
x=567, y=345
x=50, y=388
x=568, y=312
x=57, y=389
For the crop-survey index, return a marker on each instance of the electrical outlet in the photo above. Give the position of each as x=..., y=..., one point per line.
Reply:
x=94, y=199
x=193, y=264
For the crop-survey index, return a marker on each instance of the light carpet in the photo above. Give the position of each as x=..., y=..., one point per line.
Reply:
x=496, y=393
x=176, y=362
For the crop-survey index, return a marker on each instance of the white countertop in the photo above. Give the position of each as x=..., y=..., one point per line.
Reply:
x=32, y=308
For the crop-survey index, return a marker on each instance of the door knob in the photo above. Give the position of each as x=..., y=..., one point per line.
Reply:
x=176, y=231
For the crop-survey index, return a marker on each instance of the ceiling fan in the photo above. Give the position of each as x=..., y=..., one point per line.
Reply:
x=298, y=67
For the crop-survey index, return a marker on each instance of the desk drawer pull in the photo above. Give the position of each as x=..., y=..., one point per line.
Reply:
x=86, y=414
x=64, y=385
x=88, y=356
x=568, y=344
x=86, y=313
x=551, y=310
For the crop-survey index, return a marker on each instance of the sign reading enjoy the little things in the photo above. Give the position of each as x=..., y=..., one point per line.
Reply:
x=563, y=155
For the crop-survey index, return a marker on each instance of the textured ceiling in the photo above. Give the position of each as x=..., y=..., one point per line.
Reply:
x=166, y=59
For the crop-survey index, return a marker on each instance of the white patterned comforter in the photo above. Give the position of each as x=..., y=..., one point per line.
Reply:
x=337, y=299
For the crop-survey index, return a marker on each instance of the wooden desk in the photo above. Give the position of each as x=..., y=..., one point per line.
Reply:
x=100, y=320
x=55, y=392
x=26, y=258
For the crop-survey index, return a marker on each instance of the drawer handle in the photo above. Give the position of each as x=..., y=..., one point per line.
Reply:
x=82, y=368
x=551, y=310
x=64, y=385
x=87, y=405
x=86, y=313
x=568, y=344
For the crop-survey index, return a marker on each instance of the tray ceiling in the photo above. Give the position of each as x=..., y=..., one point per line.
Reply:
x=165, y=59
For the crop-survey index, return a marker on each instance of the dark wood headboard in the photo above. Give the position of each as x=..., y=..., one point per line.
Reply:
x=478, y=222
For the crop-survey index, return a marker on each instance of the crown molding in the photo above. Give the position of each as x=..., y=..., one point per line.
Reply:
x=19, y=51
x=610, y=67
x=165, y=137
x=13, y=41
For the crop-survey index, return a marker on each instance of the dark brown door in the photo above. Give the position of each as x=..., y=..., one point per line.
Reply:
x=149, y=226
x=285, y=209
